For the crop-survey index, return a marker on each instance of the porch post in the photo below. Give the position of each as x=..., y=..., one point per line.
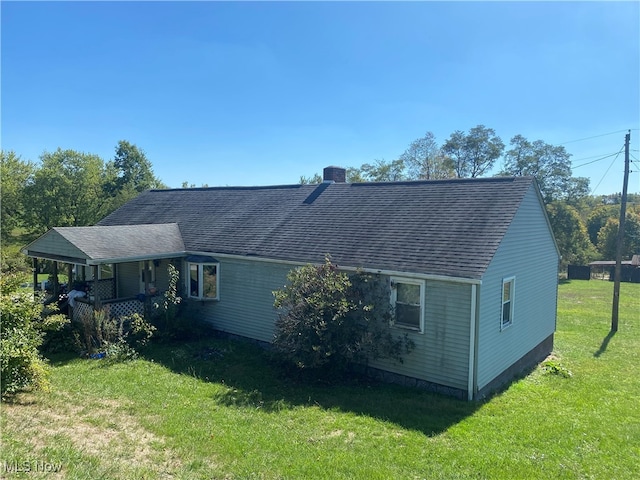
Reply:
x=35, y=275
x=147, y=273
x=69, y=276
x=56, y=289
x=96, y=299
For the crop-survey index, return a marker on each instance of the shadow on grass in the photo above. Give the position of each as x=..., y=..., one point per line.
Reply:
x=253, y=380
x=604, y=344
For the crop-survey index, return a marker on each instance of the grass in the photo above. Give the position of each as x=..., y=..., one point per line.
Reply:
x=218, y=409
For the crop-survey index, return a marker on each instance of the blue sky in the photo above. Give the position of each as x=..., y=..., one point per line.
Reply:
x=261, y=93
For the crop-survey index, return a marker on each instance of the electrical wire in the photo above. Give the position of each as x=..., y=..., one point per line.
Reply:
x=594, y=136
x=598, y=159
x=607, y=171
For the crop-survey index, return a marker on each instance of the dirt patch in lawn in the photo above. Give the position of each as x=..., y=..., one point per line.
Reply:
x=100, y=428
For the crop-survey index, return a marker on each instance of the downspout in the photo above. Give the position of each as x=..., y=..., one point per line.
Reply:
x=471, y=384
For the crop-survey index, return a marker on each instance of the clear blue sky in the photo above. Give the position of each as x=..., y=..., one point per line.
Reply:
x=261, y=93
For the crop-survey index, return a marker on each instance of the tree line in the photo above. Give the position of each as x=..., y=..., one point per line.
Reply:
x=71, y=188
x=585, y=226
x=68, y=188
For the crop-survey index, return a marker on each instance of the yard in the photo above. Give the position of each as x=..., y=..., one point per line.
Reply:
x=218, y=409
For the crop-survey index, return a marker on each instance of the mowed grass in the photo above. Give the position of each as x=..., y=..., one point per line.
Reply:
x=219, y=409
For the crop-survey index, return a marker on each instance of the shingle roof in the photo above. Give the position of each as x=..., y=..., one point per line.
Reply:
x=449, y=227
x=101, y=243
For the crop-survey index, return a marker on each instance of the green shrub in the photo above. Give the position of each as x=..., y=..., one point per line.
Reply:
x=119, y=337
x=330, y=321
x=21, y=335
x=554, y=367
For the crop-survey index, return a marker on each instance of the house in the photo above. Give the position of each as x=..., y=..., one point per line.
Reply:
x=475, y=259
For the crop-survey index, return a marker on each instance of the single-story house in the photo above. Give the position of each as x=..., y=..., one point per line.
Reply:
x=475, y=259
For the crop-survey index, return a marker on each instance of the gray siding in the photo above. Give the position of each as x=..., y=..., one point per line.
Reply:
x=527, y=252
x=245, y=306
x=54, y=243
x=441, y=353
x=128, y=282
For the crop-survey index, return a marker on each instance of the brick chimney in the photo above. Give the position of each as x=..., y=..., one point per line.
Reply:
x=334, y=174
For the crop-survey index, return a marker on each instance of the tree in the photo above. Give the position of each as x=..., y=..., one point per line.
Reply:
x=383, y=171
x=475, y=153
x=132, y=173
x=550, y=165
x=608, y=235
x=14, y=173
x=314, y=179
x=328, y=321
x=598, y=218
x=65, y=190
x=424, y=160
x=570, y=233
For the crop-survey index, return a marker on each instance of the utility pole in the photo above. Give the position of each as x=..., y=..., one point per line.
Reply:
x=620, y=239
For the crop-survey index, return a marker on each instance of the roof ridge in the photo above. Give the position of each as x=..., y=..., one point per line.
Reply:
x=247, y=187
x=447, y=180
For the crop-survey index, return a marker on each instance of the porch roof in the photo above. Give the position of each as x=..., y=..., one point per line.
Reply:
x=108, y=244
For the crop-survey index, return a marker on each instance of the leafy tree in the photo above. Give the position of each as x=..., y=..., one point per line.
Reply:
x=608, y=237
x=424, y=160
x=598, y=218
x=132, y=173
x=65, y=190
x=329, y=321
x=383, y=171
x=14, y=173
x=570, y=233
x=314, y=179
x=23, y=327
x=550, y=165
x=475, y=153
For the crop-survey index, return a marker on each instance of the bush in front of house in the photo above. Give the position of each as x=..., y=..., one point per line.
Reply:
x=97, y=335
x=21, y=335
x=328, y=321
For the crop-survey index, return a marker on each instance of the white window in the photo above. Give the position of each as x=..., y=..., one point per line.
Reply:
x=203, y=280
x=508, y=296
x=407, y=300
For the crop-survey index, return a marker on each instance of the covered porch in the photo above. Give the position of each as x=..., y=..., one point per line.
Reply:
x=120, y=266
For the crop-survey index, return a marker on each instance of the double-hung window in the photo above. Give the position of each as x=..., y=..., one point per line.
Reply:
x=203, y=280
x=508, y=296
x=407, y=300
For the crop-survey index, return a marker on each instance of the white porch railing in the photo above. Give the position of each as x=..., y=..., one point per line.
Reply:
x=116, y=308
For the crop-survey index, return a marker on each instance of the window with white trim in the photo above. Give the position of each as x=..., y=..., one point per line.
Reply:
x=508, y=296
x=407, y=301
x=203, y=280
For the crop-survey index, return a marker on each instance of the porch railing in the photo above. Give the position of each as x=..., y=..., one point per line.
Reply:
x=115, y=308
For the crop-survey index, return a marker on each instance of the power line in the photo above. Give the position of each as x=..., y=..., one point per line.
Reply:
x=594, y=136
x=596, y=160
x=607, y=171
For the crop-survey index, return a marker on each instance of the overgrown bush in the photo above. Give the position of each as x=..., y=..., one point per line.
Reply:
x=21, y=335
x=328, y=321
x=119, y=338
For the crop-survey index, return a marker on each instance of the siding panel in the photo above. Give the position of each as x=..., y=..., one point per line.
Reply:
x=128, y=284
x=246, y=302
x=441, y=353
x=528, y=253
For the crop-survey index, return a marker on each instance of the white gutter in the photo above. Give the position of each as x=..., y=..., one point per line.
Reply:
x=398, y=273
x=139, y=258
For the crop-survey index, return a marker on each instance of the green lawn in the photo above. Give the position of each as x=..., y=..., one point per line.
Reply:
x=217, y=409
